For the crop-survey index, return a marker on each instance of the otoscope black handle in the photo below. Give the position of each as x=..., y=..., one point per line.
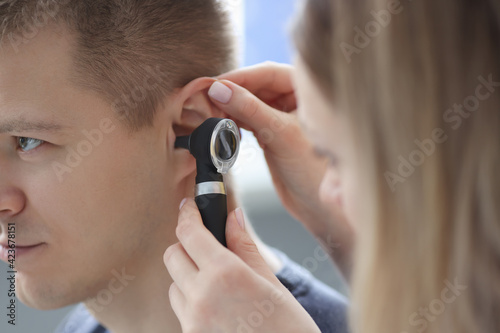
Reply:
x=213, y=209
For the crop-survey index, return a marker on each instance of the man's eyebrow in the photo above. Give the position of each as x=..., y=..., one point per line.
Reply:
x=22, y=125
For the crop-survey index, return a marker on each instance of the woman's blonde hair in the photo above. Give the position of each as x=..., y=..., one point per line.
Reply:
x=420, y=84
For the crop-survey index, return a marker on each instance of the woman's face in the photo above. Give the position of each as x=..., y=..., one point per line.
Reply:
x=329, y=132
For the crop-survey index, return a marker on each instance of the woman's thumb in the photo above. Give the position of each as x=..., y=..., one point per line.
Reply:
x=239, y=242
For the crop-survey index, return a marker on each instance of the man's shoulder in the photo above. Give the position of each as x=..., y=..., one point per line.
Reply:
x=325, y=305
x=80, y=321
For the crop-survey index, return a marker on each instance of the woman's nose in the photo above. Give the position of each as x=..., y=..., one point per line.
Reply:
x=330, y=189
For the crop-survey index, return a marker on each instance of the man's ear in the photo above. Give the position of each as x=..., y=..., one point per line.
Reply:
x=191, y=107
x=194, y=106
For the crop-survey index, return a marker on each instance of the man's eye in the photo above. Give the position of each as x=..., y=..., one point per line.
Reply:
x=27, y=144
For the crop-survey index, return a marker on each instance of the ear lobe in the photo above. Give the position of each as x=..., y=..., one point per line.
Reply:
x=196, y=106
x=185, y=165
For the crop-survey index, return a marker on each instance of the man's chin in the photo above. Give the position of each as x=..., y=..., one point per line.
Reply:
x=43, y=305
x=42, y=296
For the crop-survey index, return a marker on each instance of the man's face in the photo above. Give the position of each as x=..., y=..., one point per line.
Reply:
x=89, y=204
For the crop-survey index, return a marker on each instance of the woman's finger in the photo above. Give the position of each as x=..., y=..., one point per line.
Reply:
x=286, y=103
x=177, y=301
x=241, y=244
x=242, y=105
x=180, y=266
x=198, y=242
x=269, y=75
x=282, y=102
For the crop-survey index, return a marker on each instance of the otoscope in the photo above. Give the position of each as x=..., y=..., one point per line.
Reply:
x=215, y=145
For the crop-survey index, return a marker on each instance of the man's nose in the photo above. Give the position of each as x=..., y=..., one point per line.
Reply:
x=12, y=201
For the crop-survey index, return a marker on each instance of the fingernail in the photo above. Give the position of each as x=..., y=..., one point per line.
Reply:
x=182, y=203
x=240, y=218
x=220, y=92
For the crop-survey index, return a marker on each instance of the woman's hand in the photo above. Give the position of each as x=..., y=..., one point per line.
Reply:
x=216, y=290
x=263, y=102
x=262, y=99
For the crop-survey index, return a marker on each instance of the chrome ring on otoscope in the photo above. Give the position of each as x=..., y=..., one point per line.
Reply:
x=209, y=188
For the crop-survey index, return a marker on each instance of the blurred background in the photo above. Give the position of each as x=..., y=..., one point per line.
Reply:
x=262, y=29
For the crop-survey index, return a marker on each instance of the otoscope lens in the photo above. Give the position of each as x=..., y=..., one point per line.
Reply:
x=225, y=145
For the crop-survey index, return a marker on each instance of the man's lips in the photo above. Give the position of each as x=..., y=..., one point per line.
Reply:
x=20, y=250
x=5, y=241
x=19, y=245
